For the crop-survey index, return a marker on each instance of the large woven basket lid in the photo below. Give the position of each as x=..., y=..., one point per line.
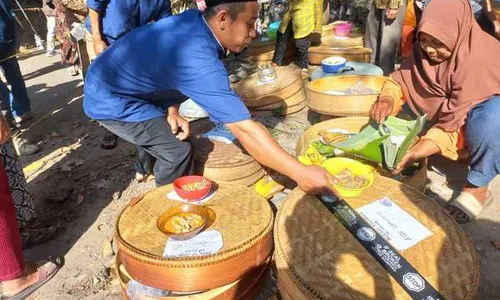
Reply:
x=348, y=105
x=255, y=94
x=317, y=54
x=353, y=41
x=242, y=217
x=317, y=258
x=245, y=288
x=355, y=125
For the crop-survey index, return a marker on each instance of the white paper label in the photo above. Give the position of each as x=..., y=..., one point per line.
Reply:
x=400, y=229
x=205, y=243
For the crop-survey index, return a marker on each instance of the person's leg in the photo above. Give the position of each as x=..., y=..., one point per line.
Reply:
x=302, y=45
x=173, y=157
x=51, y=31
x=389, y=41
x=483, y=145
x=5, y=100
x=21, y=104
x=372, y=31
x=282, y=43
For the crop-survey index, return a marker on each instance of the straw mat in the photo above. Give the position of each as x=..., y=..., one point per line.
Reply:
x=348, y=105
x=242, y=217
x=317, y=258
x=354, y=125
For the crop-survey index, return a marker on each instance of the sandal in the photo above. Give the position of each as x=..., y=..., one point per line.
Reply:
x=109, y=141
x=465, y=208
x=46, y=272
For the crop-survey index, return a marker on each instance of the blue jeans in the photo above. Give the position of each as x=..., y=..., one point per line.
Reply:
x=482, y=138
x=19, y=102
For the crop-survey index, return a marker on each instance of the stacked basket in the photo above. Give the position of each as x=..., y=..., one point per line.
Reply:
x=318, y=258
x=261, y=50
x=236, y=271
x=283, y=96
x=222, y=161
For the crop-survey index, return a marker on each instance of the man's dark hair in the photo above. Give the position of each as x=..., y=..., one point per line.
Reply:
x=233, y=9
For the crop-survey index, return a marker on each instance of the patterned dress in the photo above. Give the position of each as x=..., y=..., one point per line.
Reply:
x=68, y=12
x=23, y=200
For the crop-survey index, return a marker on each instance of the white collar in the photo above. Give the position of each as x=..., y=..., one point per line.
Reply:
x=210, y=28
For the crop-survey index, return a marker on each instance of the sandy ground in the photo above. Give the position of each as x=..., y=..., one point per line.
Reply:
x=83, y=188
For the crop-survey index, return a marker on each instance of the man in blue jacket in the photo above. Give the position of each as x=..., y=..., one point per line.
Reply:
x=154, y=68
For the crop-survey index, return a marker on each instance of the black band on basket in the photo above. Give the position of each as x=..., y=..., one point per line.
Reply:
x=393, y=262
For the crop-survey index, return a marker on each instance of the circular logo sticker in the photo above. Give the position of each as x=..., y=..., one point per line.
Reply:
x=414, y=282
x=366, y=234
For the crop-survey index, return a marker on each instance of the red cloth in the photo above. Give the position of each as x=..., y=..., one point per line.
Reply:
x=11, y=250
x=407, y=40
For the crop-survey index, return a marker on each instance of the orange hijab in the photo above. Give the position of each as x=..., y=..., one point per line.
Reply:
x=448, y=90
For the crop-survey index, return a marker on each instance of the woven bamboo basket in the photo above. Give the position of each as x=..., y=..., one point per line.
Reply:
x=284, y=111
x=244, y=219
x=262, y=52
x=354, y=125
x=245, y=288
x=317, y=258
x=225, y=162
x=296, y=99
x=353, y=41
x=349, y=105
x=329, y=29
x=317, y=54
x=255, y=94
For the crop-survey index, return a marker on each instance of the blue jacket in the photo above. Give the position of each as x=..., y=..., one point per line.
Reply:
x=7, y=22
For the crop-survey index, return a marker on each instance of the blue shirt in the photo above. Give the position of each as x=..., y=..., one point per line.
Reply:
x=121, y=16
x=159, y=65
x=7, y=25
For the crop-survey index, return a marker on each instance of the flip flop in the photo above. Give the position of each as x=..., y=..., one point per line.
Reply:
x=47, y=271
x=109, y=141
x=465, y=208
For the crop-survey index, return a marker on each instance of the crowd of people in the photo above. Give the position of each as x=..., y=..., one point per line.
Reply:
x=142, y=67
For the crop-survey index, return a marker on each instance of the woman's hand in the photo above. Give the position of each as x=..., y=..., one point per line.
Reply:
x=382, y=108
x=179, y=125
x=423, y=149
x=4, y=130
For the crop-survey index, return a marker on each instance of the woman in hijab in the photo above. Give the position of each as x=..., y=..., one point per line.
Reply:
x=452, y=75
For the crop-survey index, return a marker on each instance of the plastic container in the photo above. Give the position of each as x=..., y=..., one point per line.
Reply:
x=273, y=30
x=343, y=30
x=333, y=64
x=194, y=195
x=337, y=164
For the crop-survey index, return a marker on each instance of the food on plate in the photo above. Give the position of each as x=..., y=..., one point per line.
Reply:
x=347, y=179
x=332, y=137
x=334, y=61
x=183, y=222
x=195, y=185
x=311, y=157
x=360, y=88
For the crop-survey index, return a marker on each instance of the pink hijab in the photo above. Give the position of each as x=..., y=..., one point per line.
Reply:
x=448, y=90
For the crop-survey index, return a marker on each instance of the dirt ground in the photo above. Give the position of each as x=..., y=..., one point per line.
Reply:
x=83, y=188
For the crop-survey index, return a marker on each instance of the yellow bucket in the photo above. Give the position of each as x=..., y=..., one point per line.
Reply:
x=337, y=164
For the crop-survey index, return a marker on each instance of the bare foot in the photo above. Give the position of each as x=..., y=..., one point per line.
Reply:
x=30, y=276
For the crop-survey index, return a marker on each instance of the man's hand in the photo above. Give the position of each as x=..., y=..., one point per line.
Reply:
x=391, y=13
x=382, y=108
x=423, y=149
x=315, y=180
x=4, y=130
x=179, y=125
x=99, y=45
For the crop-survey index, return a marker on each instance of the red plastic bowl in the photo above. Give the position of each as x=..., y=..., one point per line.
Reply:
x=343, y=29
x=192, y=195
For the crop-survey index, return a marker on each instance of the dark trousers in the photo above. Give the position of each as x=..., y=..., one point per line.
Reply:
x=159, y=152
x=19, y=102
x=282, y=43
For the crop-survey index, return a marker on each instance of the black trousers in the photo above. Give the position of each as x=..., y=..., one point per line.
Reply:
x=282, y=43
x=159, y=152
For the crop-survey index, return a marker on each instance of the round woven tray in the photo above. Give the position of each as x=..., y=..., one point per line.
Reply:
x=317, y=54
x=220, y=161
x=243, y=218
x=349, y=105
x=245, y=288
x=296, y=99
x=255, y=94
x=317, y=258
x=353, y=41
x=354, y=125
x=284, y=111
